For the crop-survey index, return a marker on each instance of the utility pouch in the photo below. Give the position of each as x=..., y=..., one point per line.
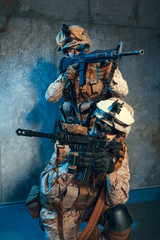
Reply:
x=86, y=197
x=33, y=202
x=95, y=88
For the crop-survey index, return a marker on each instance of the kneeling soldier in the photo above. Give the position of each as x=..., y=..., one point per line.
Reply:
x=69, y=202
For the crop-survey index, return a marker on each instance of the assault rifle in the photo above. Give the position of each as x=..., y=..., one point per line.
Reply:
x=84, y=58
x=75, y=141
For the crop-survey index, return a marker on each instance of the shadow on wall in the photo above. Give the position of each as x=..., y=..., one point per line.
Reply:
x=43, y=113
x=41, y=118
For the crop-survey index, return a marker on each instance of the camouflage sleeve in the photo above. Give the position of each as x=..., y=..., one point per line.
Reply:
x=118, y=85
x=56, y=90
x=118, y=188
x=49, y=187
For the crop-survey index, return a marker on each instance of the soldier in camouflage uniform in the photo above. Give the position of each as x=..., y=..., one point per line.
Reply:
x=66, y=200
x=79, y=99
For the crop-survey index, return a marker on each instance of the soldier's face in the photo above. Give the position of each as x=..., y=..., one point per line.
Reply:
x=72, y=51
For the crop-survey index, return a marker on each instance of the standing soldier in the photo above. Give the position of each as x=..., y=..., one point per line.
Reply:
x=102, y=80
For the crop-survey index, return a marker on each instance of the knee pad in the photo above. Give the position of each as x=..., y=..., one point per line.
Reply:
x=118, y=217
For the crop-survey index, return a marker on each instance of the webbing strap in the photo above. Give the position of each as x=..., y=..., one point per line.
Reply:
x=103, y=93
x=107, y=82
x=94, y=217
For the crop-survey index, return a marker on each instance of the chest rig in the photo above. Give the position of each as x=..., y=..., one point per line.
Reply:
x=90, y=91
x=80, y=101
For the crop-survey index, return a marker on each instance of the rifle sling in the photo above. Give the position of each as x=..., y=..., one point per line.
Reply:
x=94, y=217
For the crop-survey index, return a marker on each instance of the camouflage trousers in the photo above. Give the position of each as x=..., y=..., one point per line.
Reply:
x=72, y=220
x=71, y=224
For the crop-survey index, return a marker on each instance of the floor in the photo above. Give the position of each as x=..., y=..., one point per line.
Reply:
x=144, y=204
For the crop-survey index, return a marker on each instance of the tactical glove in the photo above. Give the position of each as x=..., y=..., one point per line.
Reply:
x=72, y=72
x=83, y=160
x=118, y=149
x=103, y=162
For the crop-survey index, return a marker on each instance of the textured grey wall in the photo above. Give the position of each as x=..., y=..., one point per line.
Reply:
x=28, y=64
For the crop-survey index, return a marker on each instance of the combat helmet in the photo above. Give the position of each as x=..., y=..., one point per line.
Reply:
x=71, y=36
x=115, y=113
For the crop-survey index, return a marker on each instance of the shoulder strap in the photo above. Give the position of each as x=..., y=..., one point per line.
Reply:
x=107, y=82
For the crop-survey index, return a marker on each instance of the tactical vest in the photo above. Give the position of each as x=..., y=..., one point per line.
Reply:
x=79, y=100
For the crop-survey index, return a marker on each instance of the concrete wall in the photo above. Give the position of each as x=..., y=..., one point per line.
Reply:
x=29, y=63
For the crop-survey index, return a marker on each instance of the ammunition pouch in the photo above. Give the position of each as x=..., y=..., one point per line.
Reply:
x=86, y=197
x=79, y=196
x=33, y=202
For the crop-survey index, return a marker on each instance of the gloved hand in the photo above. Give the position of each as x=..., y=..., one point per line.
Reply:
x=118, y=149
x=83, y=160
x=103, y=70
x=71, y=72
x=103, y=162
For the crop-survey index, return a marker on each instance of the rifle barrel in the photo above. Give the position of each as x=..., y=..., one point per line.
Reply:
x=139, y=52
x=30, y=133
